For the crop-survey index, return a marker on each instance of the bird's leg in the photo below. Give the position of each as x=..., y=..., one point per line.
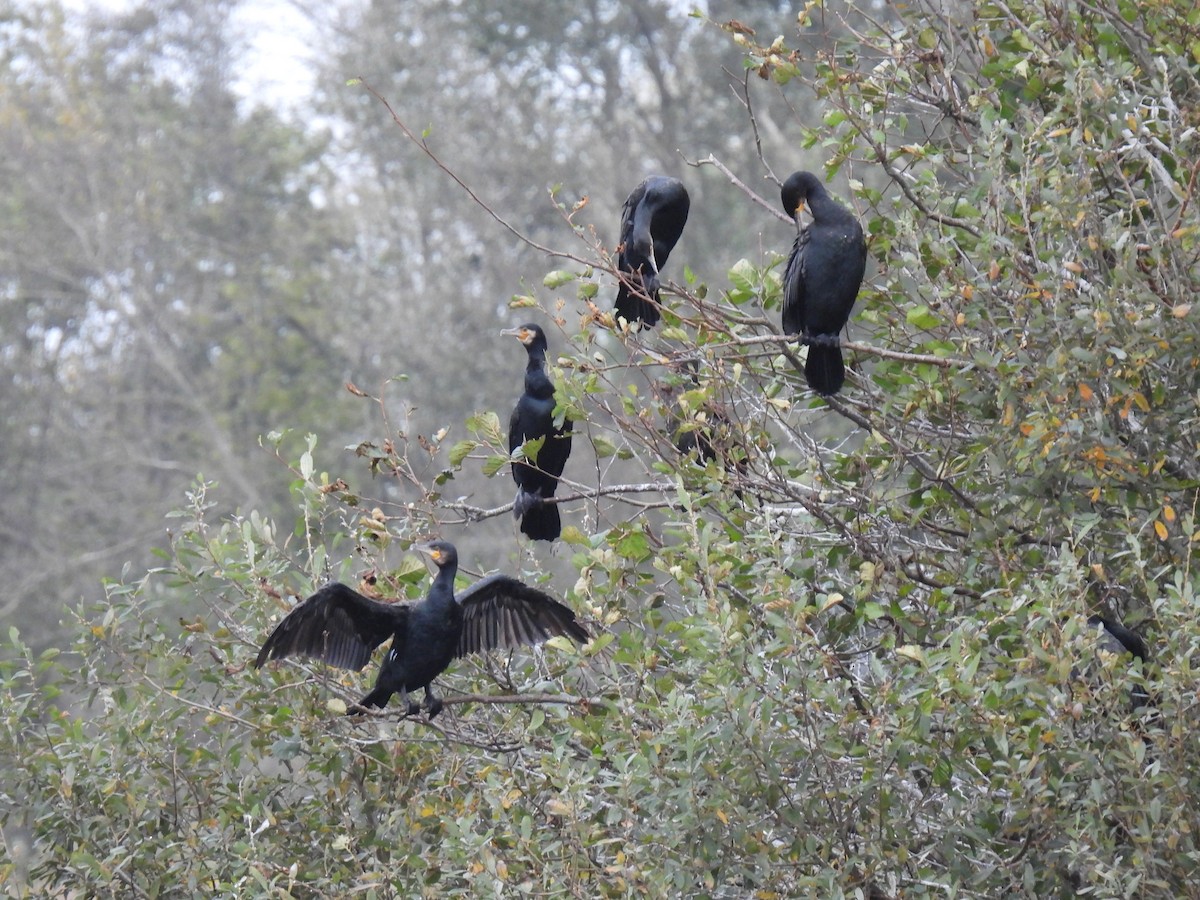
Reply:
x=410, y=708
x=432, y=703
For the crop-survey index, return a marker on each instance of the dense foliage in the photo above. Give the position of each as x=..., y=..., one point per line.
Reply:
x=847, y=656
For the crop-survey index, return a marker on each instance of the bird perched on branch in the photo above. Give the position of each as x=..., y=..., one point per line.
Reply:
x=533, y=418
x=822, y=278
x=651, y=222
x=1116, y=638
x=343, y=628
x=705, y=433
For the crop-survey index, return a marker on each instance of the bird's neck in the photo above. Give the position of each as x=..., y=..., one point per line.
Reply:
x=443, y=583
x=826, y=209
x=537, y=381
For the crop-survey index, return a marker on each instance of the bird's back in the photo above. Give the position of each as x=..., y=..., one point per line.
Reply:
x=831, y=263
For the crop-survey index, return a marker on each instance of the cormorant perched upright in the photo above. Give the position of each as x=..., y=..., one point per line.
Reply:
x=822, y=278
x=651, y=222
x=342, y=627
x=533, y=417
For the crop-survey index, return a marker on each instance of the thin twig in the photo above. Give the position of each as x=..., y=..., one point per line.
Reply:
x=711, y=160
x=479, y=512
x=945, y=362
x=424, y=147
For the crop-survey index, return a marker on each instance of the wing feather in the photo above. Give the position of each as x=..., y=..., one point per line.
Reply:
x=337, y=625
x=501, y=612
x=794, y=278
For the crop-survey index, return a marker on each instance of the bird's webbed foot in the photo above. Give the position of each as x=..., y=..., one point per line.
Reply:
x=433, y=704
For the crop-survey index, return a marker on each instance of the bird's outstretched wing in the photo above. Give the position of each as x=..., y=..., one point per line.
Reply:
x=501, y=612
x=336, y=624
x=795, y=280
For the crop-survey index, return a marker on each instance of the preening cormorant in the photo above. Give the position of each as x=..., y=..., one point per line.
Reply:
x=651, y=222
x=343, y=628
x=533, y=417
x=822, y=278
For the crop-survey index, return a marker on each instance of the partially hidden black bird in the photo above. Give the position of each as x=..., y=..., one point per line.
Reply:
x=694, y=432
x=822, y=278
x=532, y=418
x=651, y=222
x=342, y=627
x=1116, y=638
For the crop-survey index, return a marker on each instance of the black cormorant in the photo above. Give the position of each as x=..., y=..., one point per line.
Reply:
x=532, y=418
x=693, y=433
x=651, y=222
x=342, y=627
x=822, y=278
x=1116, y=638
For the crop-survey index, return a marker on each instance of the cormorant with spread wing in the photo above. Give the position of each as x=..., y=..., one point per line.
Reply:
x=532, y=418
x=651, y=222
x=822, y=278
x=343, y=628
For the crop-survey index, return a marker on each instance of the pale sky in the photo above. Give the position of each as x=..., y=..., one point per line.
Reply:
x=278, y=71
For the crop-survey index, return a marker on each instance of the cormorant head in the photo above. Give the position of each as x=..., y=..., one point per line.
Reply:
x=528, y=334
x=796, y=191
x=442, y=553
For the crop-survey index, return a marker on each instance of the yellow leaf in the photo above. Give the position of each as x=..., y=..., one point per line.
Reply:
x=1169, y=513
x=1160, y=529
x=1181, y=310
x=1085, y=392
x=724, y=818
x=913, y=652
x=831, y=601
x=336, y=705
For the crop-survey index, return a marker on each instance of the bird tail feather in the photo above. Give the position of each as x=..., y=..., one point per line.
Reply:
x=541, y=521
x=633, y=308
x=377, y=699
x=824, y=369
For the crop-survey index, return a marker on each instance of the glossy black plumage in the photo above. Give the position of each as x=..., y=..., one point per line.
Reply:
x=1116, y=638
x=651, y=222
x=343, y=628
x=822, y=278
x=533, y=417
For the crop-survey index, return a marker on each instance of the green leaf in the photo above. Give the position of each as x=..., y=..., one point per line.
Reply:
x=493, y=464
x=461, y=450
x=603, y=447
x=921, y=317
x=633, y=545
x=558, y=278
